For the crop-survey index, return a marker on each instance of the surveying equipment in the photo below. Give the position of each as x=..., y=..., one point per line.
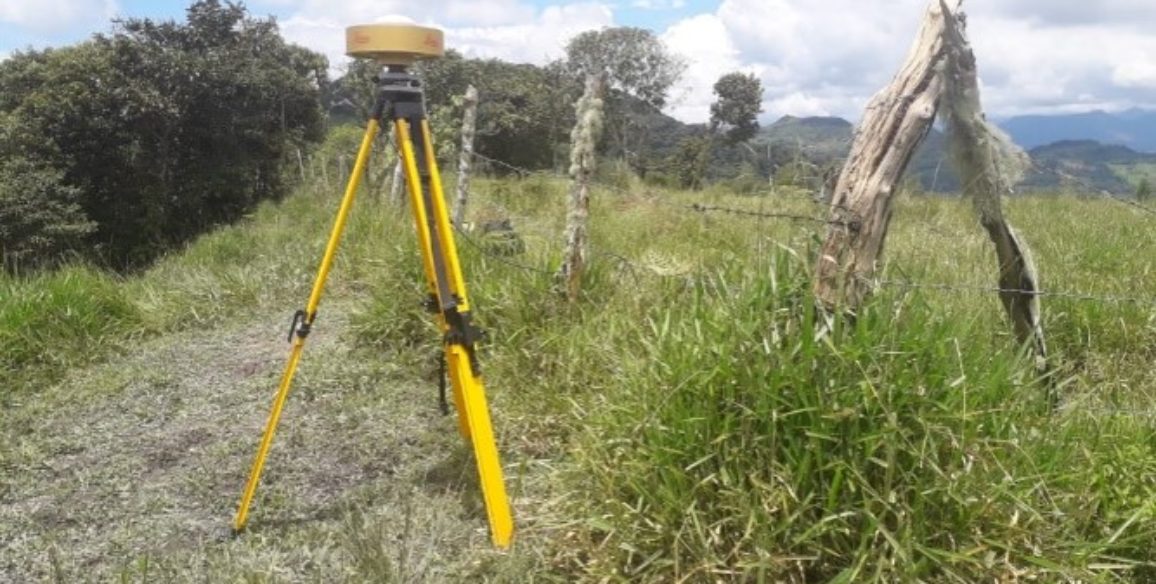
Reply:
x=400, y=100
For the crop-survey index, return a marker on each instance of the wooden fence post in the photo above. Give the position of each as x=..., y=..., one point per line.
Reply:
x=941, y=67
x=583, y=139
x=894, y=123
x=466, y=156
x=989, y=165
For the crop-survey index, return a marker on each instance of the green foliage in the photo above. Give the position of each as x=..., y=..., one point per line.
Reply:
x=524, y=111
x=799, y=173
x=737, y=106
x=639, y=71
x=1144, y=190
x=632, y=60
x=40, y=218
x=615, y=174
x=748, y=182
x=690, y=161
x=165, y=129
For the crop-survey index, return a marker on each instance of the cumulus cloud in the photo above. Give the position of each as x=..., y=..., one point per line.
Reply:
x=55, y=16
x=704, y=44
x=506, y=29
x=827, y=57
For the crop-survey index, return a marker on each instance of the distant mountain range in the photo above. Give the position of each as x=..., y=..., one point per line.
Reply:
x=1089, y=154
x=1134, y=128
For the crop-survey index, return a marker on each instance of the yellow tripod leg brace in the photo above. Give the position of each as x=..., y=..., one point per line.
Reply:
x=303, y=321
x=443, y=269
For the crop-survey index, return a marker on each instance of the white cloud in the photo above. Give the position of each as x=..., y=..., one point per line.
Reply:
x=537, y=40
x=827, y=57
x=703, y=42
x=658, y=4
x=55, y=16
x=1138, y=73
x=506, y=29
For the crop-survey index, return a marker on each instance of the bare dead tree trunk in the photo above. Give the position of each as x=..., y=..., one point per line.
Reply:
x=990, y=165
x=895, y=122
x=466, y=156
x=583, y=139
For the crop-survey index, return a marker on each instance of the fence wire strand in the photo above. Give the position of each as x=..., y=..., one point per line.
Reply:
x=885, y=283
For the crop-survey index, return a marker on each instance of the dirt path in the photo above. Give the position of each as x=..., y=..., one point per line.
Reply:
x=133, y=468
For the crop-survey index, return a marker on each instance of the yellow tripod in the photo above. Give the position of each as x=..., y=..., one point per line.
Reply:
x=400, y=101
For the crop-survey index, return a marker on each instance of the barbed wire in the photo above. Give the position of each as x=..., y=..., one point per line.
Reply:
x=907, y=284
x=520, y=170
x=701, y=208
x=500, y=258
x=973, y=288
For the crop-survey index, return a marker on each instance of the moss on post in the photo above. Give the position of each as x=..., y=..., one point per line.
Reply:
x=583, y=140
x=465, y=156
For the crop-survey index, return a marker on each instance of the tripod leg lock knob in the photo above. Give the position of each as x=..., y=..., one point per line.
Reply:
x=300, y=325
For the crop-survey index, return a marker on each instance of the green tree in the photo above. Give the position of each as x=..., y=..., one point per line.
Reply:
x=737, y=106
x=165, y=129
x=691, y=160
x=40, y=218
x=639, y=71
x=525, y=112
x=1144, y=190
x=632, y=61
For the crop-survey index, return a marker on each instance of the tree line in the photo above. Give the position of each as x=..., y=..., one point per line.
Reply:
x=123, y=146
x=120, y=147
x=526, y=111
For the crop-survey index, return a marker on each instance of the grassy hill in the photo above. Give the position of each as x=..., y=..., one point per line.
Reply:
x=1089, y=164
x=688, y=419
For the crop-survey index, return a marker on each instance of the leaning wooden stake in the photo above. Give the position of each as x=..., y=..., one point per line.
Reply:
x=466, y=156
x=582, y=141
x=989, y=164
x=895, y=121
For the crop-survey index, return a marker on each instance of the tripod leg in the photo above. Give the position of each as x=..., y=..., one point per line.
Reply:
x=445, y=268
x=428, y=230
x=453, y=264
x=304, y=321
x=469, y=382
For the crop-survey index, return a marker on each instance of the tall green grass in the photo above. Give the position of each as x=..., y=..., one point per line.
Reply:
x=55, y=320
x=758, y=446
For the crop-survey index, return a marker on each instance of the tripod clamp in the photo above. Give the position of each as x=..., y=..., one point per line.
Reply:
x=300, y=325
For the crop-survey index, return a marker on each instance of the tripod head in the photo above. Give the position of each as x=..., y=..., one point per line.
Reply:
x=394, y=45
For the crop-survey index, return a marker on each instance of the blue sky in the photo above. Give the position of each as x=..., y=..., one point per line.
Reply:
x=814, y=57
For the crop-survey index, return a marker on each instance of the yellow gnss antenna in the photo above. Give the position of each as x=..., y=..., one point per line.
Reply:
x=401, y=101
